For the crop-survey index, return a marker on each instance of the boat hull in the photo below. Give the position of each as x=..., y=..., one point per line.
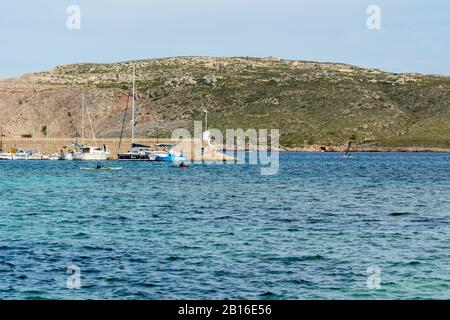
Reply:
x=141, y=155
x=87, y=153
x=134, y=157
x=170, y=157
x=67, y=157
x=20, y=157
x=90, y=157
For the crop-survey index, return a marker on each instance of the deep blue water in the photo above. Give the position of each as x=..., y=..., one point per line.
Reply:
x=154, y=231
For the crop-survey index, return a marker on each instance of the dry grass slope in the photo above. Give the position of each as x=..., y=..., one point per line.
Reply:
x=311, y=103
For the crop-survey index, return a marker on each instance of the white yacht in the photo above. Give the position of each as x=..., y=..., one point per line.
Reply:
x=54, y=157
x=6, y=156
x=35, y=156
x=20, y=155
x=88, y=153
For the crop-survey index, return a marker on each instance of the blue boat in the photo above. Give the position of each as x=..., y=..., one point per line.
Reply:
x=168, y=153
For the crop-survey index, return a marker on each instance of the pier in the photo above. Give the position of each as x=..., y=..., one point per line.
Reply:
x=49, y=146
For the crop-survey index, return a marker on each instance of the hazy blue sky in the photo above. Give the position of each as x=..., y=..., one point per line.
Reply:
x=414, y=35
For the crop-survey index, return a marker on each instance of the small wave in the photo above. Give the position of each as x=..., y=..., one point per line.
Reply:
x=222, y=273
x=313, y=258
x=399, y=214
x=287, y=220
x=148, y=285
x=34, y=295
x=302, y=282
x=81, y=235
x=8, y=264
x=173, y=258
x=222, y=218
x=290, y=260
x=138, y=260
x=267, y=294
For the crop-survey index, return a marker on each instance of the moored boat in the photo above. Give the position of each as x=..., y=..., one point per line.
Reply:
x=68, y=156
x=169, y=153
x=54, y=157
x=89, y=153
x=19, y=154
x=6, y=156
x=138, y=152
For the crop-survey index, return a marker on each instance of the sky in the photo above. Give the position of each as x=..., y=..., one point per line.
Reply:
x=414, y=34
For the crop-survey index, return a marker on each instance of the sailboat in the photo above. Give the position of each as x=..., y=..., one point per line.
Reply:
x=138, y=152
x=89, y=153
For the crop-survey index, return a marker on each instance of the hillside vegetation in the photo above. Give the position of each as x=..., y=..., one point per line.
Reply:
x=311, y=103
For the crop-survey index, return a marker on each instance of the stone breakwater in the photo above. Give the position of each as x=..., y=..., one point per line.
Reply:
x=55, y=145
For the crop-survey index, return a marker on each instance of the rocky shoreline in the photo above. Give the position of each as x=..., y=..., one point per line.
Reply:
x=365, y=149
x=53, y=145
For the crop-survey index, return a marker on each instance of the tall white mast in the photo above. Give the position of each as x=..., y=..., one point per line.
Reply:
x=82, y=118
x=90, y=123
x=1, y=138
x=133, y=122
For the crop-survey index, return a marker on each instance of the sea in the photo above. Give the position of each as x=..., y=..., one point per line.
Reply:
x=370, y=226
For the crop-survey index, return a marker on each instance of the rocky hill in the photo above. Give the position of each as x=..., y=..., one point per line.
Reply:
x=311, y=103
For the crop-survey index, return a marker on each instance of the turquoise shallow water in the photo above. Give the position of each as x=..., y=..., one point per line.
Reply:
x=154, y=231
